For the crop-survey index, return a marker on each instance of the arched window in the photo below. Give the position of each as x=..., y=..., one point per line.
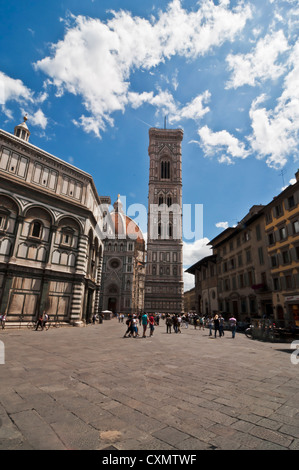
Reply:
x=36, y=229
x=165, y=170
x=170, y=231
x=161, y=200
x=159, y=230
x=169, y=201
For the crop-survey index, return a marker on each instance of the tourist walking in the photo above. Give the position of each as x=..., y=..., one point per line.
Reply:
x=169, y=324
x=144, y=321
x=151, y=321
x=216, y=325
x=135, y=326
x=210, y=325
x=179, y=323
x=40, y=322
x=129, y=324
x=233, y=325
x=221, y=325
x=175, y=323
x=3, y=320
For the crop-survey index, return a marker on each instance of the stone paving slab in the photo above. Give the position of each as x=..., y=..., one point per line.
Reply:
x=91, y=389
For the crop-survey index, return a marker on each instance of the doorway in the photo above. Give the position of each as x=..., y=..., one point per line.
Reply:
x=112, y=304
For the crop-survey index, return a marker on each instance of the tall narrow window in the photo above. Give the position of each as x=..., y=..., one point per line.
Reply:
x=36, y=229
x=165, y=170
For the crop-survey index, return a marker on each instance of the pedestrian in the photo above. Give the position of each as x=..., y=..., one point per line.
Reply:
x=151, y=321
x=175, y=323
x=169, y=324
x=45, y=319
x=135, y=326
x=144, y=321
x=216, y=325
x=179, y=323
x=221, y=325
x=40, y=322
x=3, y=320
x=186, y=320
x=129, y=324
x=201, y=323
x=233, y=325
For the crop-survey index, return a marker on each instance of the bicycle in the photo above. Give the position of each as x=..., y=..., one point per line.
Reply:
x=249, y=332
x=55, y=323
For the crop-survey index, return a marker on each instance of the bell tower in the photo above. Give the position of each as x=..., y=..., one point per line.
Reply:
x=164, y=276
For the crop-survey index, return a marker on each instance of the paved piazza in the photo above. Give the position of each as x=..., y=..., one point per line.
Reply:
x=90, y=388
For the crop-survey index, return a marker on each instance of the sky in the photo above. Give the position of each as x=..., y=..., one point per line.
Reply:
x=93, y=76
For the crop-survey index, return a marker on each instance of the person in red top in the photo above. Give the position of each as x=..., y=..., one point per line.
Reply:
x=151, y=324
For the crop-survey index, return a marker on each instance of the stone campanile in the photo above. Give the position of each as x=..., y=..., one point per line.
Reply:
x=164, y=276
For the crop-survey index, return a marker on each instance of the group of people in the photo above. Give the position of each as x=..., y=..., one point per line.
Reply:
x=42, y=321
x=216, y=322
x=174, y=322
x=143, y=320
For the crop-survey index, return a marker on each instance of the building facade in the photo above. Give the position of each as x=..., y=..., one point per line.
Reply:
x=164, y=288
x=123, y=275
x=206, y=283
x=257, y=264
x=189, y=301
x=243, y=268
x=282, y=231
x=51, y=246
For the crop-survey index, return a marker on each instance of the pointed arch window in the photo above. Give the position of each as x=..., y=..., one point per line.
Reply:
x=161, y=200
x=169, y=201
x=165, y=170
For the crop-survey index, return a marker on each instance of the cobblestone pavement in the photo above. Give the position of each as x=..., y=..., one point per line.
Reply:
x=90, y=388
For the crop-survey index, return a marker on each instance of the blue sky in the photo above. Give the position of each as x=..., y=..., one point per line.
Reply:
x=95, y=75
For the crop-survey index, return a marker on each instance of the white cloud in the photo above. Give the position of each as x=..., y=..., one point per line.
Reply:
x=95, y=60
x=189, y=281
x=259, y=65
x=193, y=110
x=38, y=119
x=164, y=101
x=12, y=90
x=221, y=142
x=222, y=225
x=275, y=131
x=193, y=252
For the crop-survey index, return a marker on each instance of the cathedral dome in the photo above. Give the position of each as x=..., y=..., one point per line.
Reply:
x=123, y=226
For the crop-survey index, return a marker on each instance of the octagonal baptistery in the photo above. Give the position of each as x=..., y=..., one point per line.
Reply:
x=123, y=274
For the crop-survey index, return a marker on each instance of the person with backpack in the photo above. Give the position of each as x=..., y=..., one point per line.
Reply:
x=129, y=324
x=169, y=323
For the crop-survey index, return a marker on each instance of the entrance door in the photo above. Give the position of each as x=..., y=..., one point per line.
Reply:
x=112, y=304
